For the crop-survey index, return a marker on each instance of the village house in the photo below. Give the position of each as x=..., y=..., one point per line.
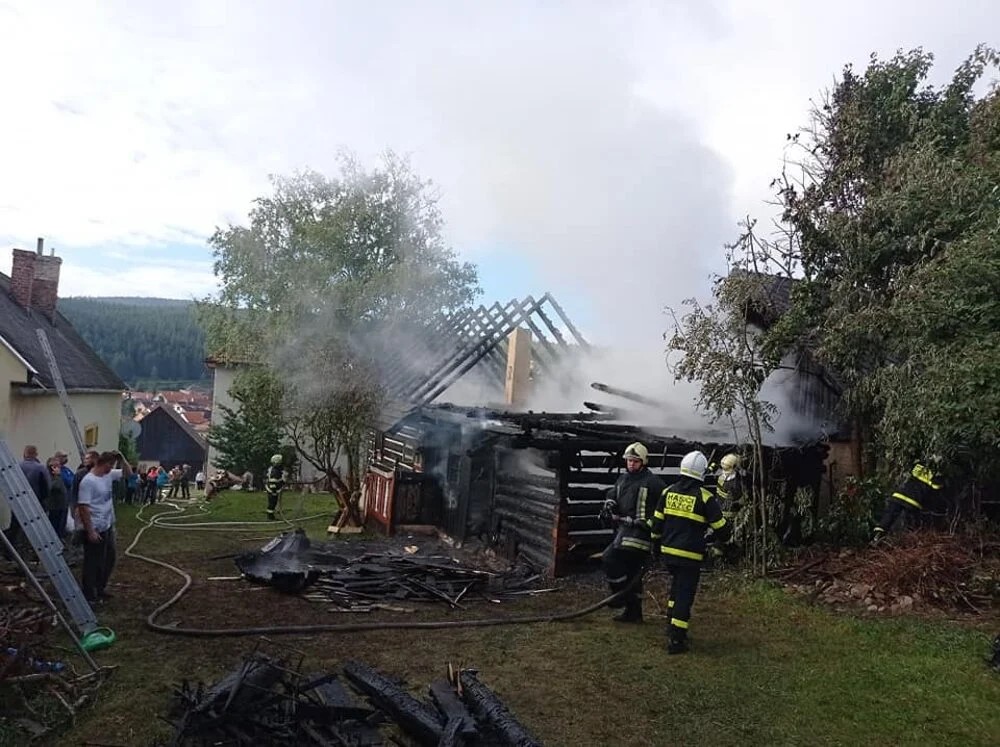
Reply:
x=168, y=439
x=224, y=370
x=30, y=410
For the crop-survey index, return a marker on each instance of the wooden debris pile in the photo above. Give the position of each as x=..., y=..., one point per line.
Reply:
x=937, y=569
x=270, y=700
x=386, y=581
x=40, y=691
x=363, y=579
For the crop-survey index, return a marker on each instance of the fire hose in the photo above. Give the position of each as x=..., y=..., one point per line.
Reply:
x=170, y=629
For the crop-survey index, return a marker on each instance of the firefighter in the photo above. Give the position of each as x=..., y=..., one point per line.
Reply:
x=628, y=506
x=729, y=491
x=274, y=483
x=729, y=486
x=684, y=513
x=915, y=494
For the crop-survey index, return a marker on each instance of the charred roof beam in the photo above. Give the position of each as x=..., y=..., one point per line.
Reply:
x=477, y=354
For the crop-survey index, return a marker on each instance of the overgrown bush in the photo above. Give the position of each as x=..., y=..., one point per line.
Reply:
x=851, y=517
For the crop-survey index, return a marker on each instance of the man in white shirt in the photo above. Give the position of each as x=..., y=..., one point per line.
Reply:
x=97, y=516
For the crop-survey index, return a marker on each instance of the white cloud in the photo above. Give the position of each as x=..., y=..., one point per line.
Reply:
x=616, y=144
x=138, y=278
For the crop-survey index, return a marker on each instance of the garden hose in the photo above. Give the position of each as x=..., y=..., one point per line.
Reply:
x=152, y=624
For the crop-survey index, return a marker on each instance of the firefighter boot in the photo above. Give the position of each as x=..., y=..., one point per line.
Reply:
x=678, y=641
x=632, y=612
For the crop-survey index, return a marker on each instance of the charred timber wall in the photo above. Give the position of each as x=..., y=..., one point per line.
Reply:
x=525, y=510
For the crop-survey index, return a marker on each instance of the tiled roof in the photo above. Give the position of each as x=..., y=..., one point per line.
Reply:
x=80, y=366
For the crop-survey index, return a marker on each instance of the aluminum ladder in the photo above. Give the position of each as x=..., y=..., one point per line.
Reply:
x=74, y=426
x=35, y=524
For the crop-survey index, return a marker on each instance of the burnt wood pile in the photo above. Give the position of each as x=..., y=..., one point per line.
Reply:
x=366, y=581
x=379, y=581
x=271, y=700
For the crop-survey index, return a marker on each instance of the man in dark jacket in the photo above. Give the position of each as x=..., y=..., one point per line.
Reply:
x=58, y=498
x=684, y=513
x=38, y=478
x=628, y=506
x=37, y=475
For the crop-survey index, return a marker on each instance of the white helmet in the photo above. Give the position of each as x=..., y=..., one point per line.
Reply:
x=730, y=462
x=694, y=465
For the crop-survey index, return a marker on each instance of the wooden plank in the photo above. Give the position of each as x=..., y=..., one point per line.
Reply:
x=584, y=523
x=538, y=511
x=577, y=477
x=526, y=525
x=583, y=508
x=577, y=493
x=527, y=478
x=592, y=536
x=528, y=493
x=615, y=463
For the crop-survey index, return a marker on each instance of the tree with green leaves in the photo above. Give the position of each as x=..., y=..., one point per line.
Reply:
x=720, y=349
x=889, y=222
x=248, y=435
x=894, y=225
x=316, y=288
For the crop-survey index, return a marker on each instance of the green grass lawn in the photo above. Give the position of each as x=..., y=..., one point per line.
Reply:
x=765, y=668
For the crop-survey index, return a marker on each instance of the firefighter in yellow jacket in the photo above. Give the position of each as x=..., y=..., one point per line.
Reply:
x=684, y=514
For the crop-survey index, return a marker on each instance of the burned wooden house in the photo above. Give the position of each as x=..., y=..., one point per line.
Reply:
x=526, y=484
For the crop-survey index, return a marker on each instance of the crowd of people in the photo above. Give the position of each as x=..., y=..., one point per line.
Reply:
x=157, y=482
x=80, y=505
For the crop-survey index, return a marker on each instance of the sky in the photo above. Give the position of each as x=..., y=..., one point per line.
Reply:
x=601, y=151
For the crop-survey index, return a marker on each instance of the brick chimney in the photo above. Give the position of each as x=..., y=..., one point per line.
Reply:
x=34, y=280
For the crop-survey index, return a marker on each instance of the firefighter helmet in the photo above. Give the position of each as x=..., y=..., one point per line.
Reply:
x=277, y=459
x=694, y=465
x=730, y=462
x=636, y=451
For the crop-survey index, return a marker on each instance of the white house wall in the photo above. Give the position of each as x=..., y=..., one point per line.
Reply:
x=39, y=419
x=12, y=371
x=222, y=381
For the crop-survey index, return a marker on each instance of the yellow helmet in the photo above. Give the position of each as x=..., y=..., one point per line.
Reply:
x=637, y=451
x=730, y=462
x=276, y=459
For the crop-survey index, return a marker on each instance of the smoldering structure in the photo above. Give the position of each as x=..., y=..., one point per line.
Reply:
x=527, y=484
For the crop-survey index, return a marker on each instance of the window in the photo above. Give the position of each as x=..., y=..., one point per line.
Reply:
x=90, y=436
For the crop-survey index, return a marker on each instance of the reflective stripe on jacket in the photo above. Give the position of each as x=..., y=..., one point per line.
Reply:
x=684, y=513
x=274, y=480
x=636, y=494
x=918, y=489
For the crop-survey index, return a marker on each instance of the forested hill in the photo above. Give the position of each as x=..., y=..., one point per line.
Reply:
x=145, y=340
